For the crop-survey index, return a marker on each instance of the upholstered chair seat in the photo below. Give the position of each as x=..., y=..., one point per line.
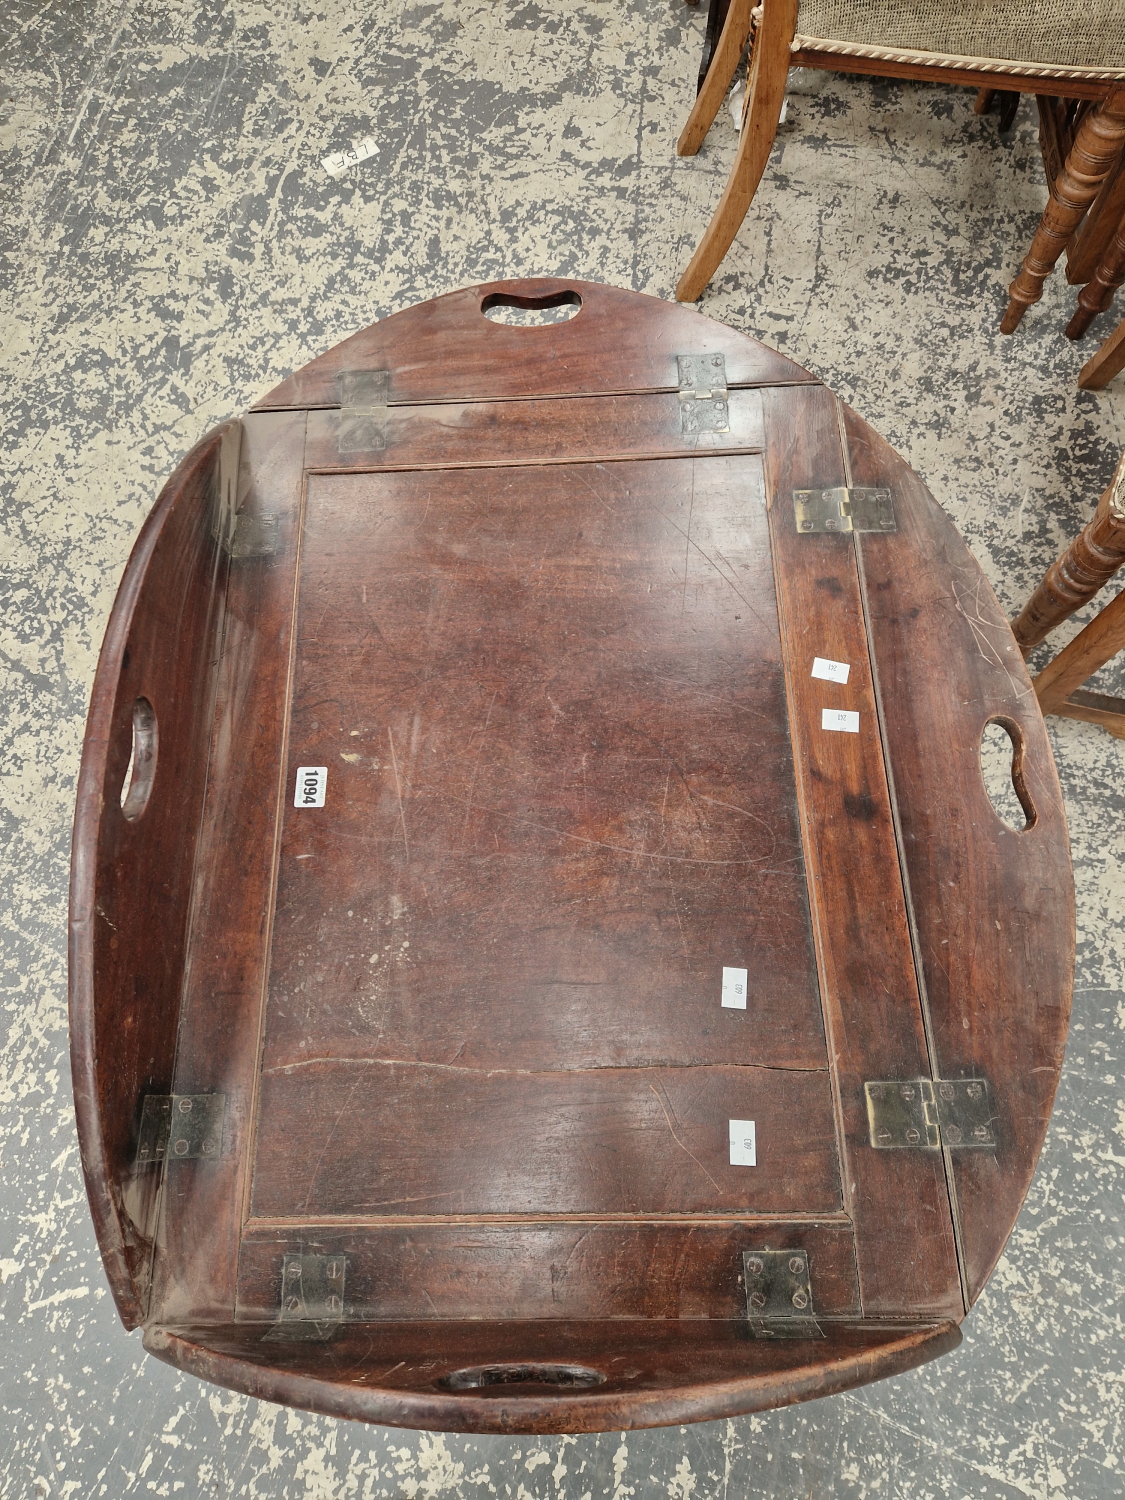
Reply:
x=989, y=35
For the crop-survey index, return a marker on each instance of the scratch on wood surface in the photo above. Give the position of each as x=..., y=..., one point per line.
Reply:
x=476, y=767
x=336, y=1061
x=681, y=1145
x=398, y=788
x=746, y=813
x=687, y=541
x=978, y=625
x=707, y=558
x=340, y=1113
x=578, y=838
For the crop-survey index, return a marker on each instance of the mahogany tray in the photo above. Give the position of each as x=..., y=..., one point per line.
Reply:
x=511, y=989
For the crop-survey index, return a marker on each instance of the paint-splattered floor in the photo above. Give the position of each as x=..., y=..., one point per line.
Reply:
x=171, y=248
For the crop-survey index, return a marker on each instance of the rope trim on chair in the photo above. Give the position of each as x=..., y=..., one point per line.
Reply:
x=948, y=60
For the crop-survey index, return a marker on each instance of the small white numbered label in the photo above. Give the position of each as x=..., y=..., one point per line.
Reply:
x=743, y=1145
x=312, y=784
x=338, y=162
x=840, y=718
x=734, y=989
x=830, y=671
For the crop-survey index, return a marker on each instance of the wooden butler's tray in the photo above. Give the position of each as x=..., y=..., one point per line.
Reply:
x=418, y=1101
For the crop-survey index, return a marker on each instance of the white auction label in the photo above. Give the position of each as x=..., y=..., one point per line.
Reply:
x=338, y=162
x=840, y=718
x=734, y=989
x=312, y=783
x=743, y=1145
x=830, y=671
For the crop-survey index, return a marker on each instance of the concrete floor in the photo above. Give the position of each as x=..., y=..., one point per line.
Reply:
x=173, y=247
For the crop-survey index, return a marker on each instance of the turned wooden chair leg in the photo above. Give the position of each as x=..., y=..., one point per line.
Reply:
x=765, y=94
x=1093, y=155
x=1091, y=560
x=724, y=61
x=1097, y=294
x=1109, y=361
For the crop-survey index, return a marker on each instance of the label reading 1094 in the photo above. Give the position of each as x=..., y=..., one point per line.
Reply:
x=312, y=783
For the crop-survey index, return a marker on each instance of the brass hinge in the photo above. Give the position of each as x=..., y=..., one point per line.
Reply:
x=181, y=1127
x=842, y=509
x=703, y=393
x=363, y=410
x=253, y=536
x=779, y=1303
x=920, y=1114
x=312, y=1298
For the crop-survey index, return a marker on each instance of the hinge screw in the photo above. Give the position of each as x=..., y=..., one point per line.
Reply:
x=754, y=1266
x=800, y=1299
x=757, y=1299
x=945, y=1090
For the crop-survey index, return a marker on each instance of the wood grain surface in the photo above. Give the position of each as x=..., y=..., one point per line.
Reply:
x=907, y=1259
x=554, y=655
x=447, y=350
x=657, y=1372
x=562, y=1269
x=225, y=966
x=993, y=906
x=131, y=880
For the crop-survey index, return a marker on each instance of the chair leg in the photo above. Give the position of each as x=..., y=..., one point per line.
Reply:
x=1090, y=649
x=724, y=61
x=1009, y=109
x=1097, y=294
x=1091, y=560
x=1007, y=103
x=1092, y=157
x=765, y=92
x=717, y=12
x=1109, y=361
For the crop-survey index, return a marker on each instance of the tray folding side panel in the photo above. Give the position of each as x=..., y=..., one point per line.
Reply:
x=136, y=837
x=543, y=940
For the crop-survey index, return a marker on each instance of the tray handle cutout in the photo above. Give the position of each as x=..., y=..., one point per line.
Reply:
x=531, y=312
x=485, y=1377
x=140, y=773
x=1001, y=763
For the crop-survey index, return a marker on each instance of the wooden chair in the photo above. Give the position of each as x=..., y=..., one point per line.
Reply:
x=1070, y=49
x=1086, y=566
x=1109, y=361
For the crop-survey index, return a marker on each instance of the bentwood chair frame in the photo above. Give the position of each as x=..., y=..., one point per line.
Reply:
x=777, y=45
